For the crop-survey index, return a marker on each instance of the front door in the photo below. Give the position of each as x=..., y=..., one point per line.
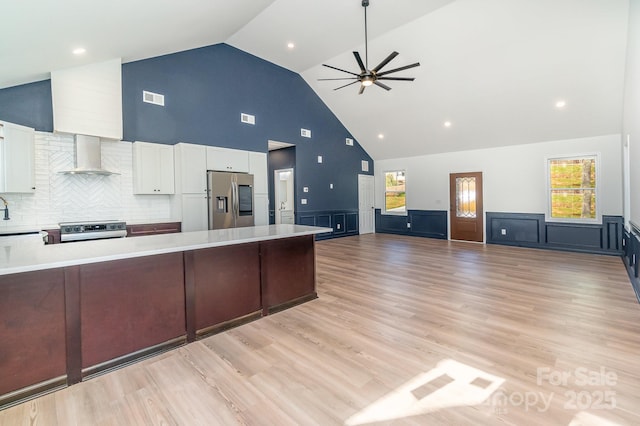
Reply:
x=465, y=213
x=366, y=207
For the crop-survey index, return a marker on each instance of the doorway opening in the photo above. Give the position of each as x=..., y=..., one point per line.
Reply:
x=283, y=183
x=281, y=159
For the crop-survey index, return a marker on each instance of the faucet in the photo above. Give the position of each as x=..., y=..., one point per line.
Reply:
x=6, y=208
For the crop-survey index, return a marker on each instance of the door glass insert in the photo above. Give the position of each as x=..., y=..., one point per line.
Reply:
x=466, y=197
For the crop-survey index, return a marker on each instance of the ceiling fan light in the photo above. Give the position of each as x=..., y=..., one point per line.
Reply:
x=367, y=81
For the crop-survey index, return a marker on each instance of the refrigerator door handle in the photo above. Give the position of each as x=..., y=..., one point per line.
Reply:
x=236, y=203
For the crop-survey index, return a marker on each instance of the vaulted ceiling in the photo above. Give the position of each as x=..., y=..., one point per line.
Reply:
x=493, y=69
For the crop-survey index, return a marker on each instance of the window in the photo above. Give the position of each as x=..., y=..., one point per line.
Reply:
x=394, y=192
x=572, y=188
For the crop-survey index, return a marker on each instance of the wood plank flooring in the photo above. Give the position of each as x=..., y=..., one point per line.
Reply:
x=405, y=331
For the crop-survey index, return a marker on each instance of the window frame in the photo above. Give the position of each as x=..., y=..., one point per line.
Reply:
x=598, y=216
x=384, y=194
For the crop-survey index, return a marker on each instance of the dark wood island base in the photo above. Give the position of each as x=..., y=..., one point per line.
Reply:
x=61, y=326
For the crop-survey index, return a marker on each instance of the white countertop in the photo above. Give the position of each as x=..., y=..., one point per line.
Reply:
x=15, y=257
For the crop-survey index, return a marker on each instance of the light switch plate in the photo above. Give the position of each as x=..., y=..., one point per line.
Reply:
x=349, y=141
x=305, y=189
x=303, y=201
x=319, y=158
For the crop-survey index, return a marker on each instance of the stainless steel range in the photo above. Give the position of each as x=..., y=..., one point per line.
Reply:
x=82, y=231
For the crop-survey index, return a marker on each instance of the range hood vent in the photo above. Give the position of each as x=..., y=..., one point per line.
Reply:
x=87, y=157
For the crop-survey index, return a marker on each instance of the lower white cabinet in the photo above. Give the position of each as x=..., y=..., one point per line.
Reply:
x=17, y=158
x=194, y=212
x=261, y=209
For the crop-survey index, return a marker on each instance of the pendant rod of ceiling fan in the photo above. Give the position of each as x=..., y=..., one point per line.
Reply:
x=366, y=38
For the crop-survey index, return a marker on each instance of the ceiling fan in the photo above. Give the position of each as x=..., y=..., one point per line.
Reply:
x=366, y=77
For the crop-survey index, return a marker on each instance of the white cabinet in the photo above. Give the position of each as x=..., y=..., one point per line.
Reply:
x=153, y=168
x=258, y=168
x=17, y=158
x=191, y=168
x=194, y=212
x=227, y=160
x=261, y=209
x=190, y=202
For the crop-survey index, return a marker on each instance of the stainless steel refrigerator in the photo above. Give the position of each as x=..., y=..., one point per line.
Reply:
x=230, y=199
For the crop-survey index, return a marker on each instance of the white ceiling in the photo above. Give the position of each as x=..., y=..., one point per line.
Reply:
x=493, y=68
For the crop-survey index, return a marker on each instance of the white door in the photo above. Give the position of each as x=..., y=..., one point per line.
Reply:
x=283, y=185
x=366, y=206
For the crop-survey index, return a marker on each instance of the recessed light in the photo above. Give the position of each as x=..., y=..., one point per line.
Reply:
x=561, y=104
x=291, y=45
x=447, y=124
x=380, y=136
x=79, y=51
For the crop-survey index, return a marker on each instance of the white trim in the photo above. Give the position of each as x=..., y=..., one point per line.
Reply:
x=626, y=181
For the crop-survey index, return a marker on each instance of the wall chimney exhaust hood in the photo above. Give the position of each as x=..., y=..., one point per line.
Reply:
x=87, y=157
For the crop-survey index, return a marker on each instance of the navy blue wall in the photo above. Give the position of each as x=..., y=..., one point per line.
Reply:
x=205, y=91
x=28, y=105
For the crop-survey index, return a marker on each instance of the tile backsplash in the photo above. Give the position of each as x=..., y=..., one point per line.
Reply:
x=63, y=198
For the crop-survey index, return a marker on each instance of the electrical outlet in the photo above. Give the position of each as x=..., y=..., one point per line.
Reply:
x=408, y=225
x=338, y=225
x=349, y=141
x=330, y=186
x=319, y=158
x=305, y=133
x=503, y=231
x=303, y=201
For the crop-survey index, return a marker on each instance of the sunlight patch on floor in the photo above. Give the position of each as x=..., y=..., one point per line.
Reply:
x=448, y=384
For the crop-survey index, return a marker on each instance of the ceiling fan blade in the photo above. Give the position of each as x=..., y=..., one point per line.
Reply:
x=397, y=78
x=384, y=86
x=406, y=67
x=361, y=90
x=348, y=84
x=344, y=78
x=360, y=63
x=385, y=62
x=340, y=69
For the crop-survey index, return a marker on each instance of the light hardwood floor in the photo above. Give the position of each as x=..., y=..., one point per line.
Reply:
x=406, y=331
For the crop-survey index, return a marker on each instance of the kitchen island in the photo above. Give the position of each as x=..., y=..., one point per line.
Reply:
x=70, y=311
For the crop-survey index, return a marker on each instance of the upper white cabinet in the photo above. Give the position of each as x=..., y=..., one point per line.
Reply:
x=258, y=168
x=153, y=168
x=227, y=160
x=191, y=168
x=17, y=158
x=87, y=100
